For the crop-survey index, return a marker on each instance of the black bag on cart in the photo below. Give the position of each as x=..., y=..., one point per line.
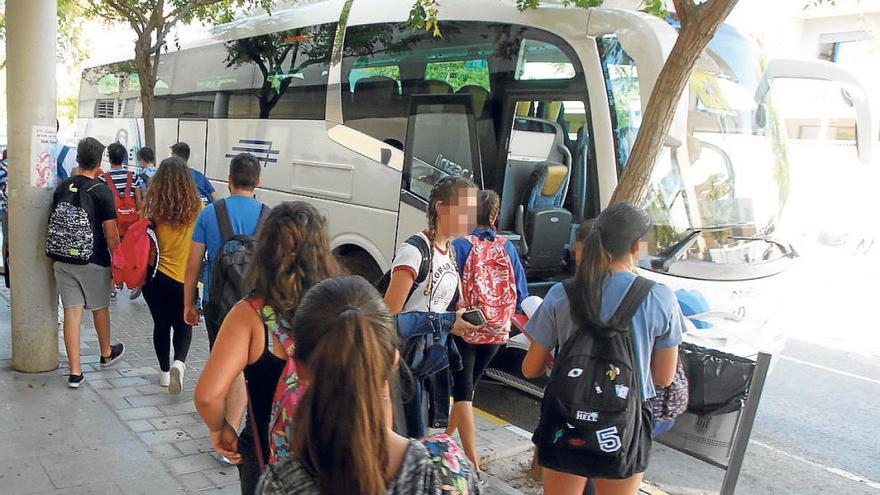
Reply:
x=718, y=382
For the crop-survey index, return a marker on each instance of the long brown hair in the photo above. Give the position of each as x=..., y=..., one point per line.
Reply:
x=346, y=338
x=172, y=197
x=292, y=254
x=609, y=238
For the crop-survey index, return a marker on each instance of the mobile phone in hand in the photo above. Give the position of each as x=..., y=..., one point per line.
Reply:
x=474, y=317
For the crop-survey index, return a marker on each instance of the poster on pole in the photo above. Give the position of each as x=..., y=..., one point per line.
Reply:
x=42, y=165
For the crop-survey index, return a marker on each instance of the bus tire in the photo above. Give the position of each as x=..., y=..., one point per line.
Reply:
x=361, y=263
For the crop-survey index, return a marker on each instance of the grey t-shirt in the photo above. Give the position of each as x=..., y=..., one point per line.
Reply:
x=658, y=323
x=420, y=474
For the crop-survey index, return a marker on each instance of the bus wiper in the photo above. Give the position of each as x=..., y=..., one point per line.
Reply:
x=787, y=250
x=668, y=257
x=665, y=260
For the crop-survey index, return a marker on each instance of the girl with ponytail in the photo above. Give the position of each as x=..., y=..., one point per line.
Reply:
x=343, y=443
x=293, y=254
x=609, y=252
x=452, y=211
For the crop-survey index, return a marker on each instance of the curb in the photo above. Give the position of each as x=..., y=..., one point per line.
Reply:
x=507, y=452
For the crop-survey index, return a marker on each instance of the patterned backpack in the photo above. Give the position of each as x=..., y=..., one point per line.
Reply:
x=488, y=284
x=288, y=390
x=71, y=234
x=451, y=461
x=670, y=402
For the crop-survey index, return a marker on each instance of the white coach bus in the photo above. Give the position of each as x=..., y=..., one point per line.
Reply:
x=351, y=110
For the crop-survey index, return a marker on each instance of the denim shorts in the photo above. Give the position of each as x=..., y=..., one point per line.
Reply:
x=83, y=285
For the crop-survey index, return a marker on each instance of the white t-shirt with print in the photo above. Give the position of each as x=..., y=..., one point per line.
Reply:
x=443, y=271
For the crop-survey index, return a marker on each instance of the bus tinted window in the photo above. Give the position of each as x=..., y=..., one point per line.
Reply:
x=275, y=76
x=539, y=60
x=461, y=73
x=385, y=64
x=389, y=71
x=622, y=80
x=290, y=71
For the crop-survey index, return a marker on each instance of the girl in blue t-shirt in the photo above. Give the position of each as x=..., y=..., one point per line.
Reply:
x=604, y=276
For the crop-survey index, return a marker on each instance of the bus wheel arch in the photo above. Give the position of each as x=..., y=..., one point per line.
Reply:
x=357, y=261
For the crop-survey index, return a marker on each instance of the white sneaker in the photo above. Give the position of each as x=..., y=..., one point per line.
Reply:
x=164, y=378
x=176, y=384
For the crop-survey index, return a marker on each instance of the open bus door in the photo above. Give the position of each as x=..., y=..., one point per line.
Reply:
x=441, y=140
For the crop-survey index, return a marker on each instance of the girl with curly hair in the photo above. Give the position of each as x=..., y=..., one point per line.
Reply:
x=293, y=254
x=173, y=205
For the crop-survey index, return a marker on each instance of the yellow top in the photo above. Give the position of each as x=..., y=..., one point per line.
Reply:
x=174, y=244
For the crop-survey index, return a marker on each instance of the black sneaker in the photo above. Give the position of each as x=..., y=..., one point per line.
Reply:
x=74, y=381
x=116, y=352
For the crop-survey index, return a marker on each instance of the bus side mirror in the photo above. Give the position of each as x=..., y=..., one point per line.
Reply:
x=820, y=70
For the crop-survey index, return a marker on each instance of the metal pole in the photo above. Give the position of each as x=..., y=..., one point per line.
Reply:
x=746, y=421
x=30, y=83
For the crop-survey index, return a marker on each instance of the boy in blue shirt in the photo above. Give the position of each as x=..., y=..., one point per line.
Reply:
x=206, y=189
x=244, y=215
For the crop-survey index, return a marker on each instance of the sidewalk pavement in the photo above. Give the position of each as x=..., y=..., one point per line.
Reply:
x=121, y=433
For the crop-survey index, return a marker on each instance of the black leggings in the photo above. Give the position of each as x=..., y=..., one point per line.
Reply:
x=164, y=297
x=474, y=359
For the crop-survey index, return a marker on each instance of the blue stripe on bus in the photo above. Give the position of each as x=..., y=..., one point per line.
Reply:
x=255, y=150
x=268, y=160
x=253, y=141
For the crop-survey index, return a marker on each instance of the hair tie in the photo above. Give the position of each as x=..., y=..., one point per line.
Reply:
x=349, y=311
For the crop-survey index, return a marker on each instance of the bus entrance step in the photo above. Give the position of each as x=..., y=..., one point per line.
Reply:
x=515, y=382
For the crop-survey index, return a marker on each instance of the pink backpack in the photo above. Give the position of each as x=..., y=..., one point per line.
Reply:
x=287, y=391
x=136, y=254
x=488, y=284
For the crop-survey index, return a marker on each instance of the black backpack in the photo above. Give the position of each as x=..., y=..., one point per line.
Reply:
x=145, y=179
x=594, y=421
x=70, y=237
x=228, y=283
x=419, y=243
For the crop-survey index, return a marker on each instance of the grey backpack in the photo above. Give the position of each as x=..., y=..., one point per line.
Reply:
x=228, y=283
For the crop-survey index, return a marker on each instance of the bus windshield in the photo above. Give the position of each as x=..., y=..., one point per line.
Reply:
x=729, y=178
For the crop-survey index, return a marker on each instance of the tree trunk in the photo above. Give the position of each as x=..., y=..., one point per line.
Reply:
x=698, y=25
x=145, y=65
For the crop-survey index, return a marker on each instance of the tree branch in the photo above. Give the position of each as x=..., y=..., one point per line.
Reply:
x=176, y=15
x=712, y=13
x=130, y=14
x=684, y=10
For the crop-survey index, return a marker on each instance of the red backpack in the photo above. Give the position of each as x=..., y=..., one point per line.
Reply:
x=134, y=256
x=488, y=284
x=126, y=210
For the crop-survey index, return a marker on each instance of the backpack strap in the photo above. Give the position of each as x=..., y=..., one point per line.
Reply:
x=109, y=181
x=226, y=232
x=264, y=214
x=419, y=243
x=633, y=299
x=62, y=173
x=129, y=178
